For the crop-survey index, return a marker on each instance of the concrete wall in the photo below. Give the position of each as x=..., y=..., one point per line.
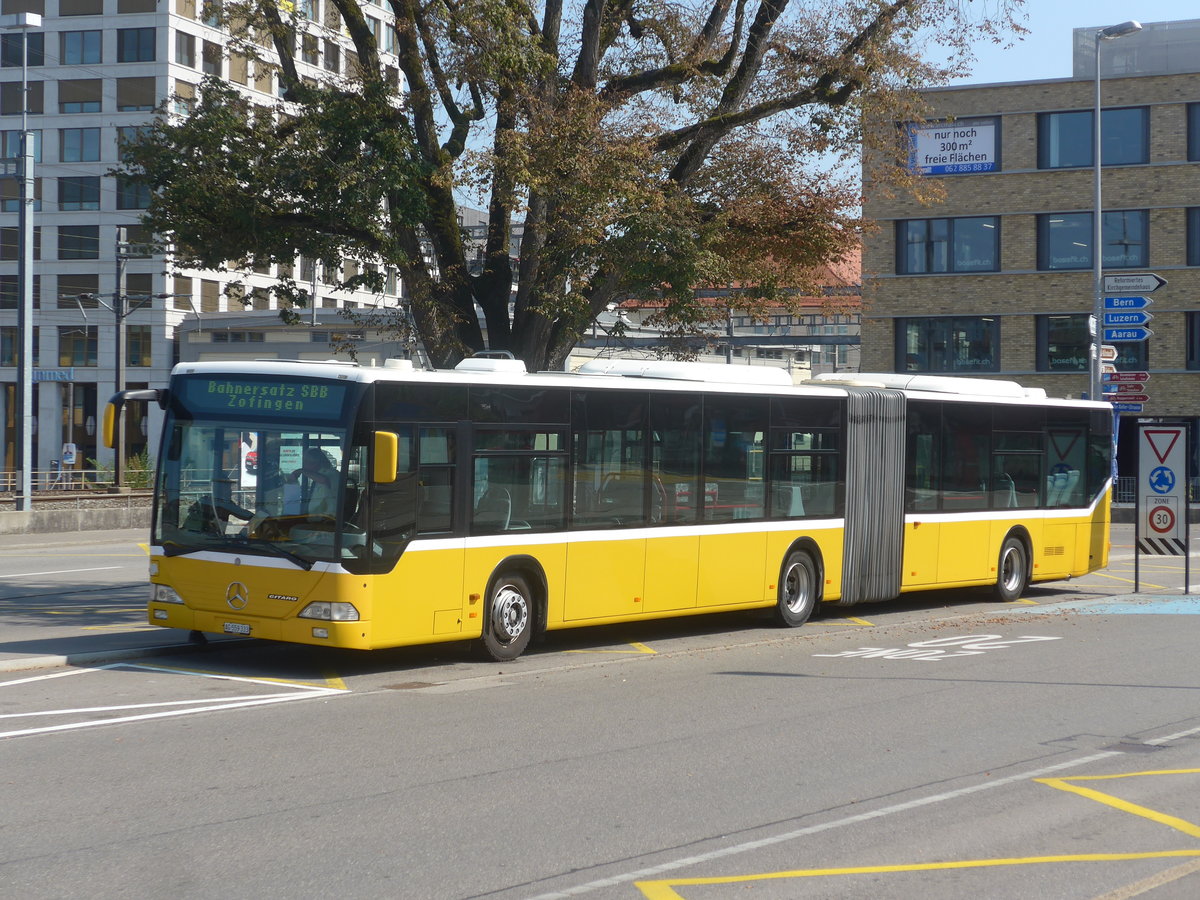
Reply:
x=105, y=512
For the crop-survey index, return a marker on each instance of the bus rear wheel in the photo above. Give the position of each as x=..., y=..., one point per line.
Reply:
x=797, y=590
x=509, y=621
x=1012, y=571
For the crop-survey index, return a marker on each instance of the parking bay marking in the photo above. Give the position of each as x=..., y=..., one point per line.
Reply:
x=167, y=708
x=665, y=889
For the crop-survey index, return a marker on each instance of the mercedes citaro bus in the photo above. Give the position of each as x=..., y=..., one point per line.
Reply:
x=365, y=507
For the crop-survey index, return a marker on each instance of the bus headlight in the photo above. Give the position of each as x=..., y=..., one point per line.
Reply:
x=161, y=593
x=330, y=612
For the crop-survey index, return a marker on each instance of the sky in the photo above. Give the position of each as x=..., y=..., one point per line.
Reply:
x=1045, y=52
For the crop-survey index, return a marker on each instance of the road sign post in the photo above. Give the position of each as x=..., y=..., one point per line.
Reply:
x=1162, y=510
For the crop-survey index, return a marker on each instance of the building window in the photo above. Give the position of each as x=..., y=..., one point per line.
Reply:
x=948, y=245
x=10, y=291
x=332, y=56
x=135, y=94
x=10, y=195
x=137, y=346
x=10, y=242
x=78, y=241
x=135, y=45
x=79, y=144
x=12, y=100
x=1064, y=344
x=12, y=47
x=1193, y=236
x=310, y=49
x=79, y=48
x=10, y=345
x=79, y=192
x=12, y=144
x=948, y=344
x=211, y=63
x=80, y=95
x=1065, y=138
x=132, y=194
x=1193, y=127
x=78, y=291
x=1065, y=240
x=76, y=345
x=185, y=49
x=1193, y=340
x=81, y=7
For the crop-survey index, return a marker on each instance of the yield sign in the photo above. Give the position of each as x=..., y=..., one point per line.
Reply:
x=1162, y=441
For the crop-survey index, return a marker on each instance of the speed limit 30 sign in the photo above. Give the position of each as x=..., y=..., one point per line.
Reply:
x=1162, y=490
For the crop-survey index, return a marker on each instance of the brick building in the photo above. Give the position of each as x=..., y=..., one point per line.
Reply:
x=997, y=279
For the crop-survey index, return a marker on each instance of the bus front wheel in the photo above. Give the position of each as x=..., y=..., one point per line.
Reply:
x=509, y=622
x=1012, y=571
x=797, y=590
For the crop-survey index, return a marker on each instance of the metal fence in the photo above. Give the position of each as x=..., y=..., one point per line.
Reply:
x=1125, y=490
x=75, y=480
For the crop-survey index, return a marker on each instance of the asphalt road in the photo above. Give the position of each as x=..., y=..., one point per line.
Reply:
x=938, y=747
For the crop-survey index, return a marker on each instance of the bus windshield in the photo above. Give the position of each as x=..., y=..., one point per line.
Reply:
x=260, y=481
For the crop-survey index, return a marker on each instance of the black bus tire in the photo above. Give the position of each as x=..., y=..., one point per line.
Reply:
x=797, y=590
x=1012, y=571
x=508, y=623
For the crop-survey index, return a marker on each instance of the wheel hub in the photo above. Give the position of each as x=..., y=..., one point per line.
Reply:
x=510, y=613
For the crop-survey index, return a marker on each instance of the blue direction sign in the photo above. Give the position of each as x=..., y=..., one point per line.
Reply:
x=1126, y=335
x=1127, y=302
x=1127, y=407
x=1133, y=317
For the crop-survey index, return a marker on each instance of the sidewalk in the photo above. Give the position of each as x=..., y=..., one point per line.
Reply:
x=50, y=617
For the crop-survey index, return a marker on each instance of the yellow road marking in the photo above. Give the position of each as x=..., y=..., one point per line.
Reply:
x=853, y=620
x=1063, y=784
x=145, y=548
x=127, y=626
x=238, y=677
x=1154, y=881
x=665, y=889
x=1026, y=602
x=640, y=648
x=334, y=680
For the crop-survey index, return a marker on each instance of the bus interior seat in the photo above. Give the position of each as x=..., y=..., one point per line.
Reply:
x=1005, y=494
x=494, y=510
x=621, y=495
x=789, y=501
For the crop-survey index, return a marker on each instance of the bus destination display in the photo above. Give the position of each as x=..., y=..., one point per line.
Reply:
x=285, y=399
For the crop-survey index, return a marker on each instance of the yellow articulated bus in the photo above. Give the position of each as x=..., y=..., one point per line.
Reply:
x=368, y=507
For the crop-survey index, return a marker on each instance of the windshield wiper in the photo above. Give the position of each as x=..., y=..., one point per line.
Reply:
x=273, y=547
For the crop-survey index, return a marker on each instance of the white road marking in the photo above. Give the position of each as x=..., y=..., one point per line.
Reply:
x=297, y=691
x=62, y=572
x=746, y=847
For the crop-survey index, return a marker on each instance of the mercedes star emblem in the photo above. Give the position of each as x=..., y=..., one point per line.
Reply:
x=237, y=595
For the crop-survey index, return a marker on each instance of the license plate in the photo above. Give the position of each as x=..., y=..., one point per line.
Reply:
x=236, y=628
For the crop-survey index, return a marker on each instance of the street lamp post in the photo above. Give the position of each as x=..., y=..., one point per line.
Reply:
x=1096, y=385
x=24, y=22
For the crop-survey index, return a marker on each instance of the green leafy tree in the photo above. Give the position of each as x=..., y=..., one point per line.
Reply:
x=649, y=148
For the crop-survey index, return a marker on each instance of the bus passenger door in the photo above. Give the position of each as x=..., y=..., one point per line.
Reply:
x=920, y=552
x=732, y=568
x=604, y=578
x=671, y=578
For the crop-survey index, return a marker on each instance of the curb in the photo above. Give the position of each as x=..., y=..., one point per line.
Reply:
x=93, y=658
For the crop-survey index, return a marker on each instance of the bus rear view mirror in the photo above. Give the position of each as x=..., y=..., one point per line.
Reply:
x=387, y=457
x=109, y=427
